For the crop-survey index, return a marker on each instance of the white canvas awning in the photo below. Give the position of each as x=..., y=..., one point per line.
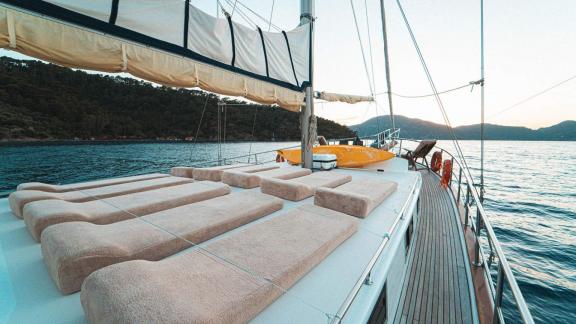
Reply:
x=169, y=42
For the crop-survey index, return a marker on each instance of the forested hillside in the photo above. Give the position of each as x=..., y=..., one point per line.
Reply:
x=45, y=101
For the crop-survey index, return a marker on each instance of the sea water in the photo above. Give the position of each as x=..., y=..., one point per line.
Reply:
x=530, y=196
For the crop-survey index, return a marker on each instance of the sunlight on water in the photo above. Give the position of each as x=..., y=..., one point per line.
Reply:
x=530, y=197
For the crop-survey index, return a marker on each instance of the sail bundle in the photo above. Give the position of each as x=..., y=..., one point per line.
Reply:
x=169, y=42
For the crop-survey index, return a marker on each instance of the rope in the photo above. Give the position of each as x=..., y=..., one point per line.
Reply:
x=199, y=125
x=469, y=84
x=253, y=128
x=271, y=13
x=234, y=8
x=433, y=86
x=269, y=22
x=242, y=15
x=533, y=96
x=371, y=62
x=361, y=47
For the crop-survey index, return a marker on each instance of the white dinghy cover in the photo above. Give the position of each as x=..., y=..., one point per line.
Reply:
x=169, y=42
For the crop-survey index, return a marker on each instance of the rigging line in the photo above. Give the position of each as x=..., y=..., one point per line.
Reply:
x=470, y=84
x=259, y=16
x=253, y=128
x=234, y=8
x=199, y=125
x=246, y=18
x=371, y=62
x=433, y=86
x=361, y=47
x=215, y=257
x=243, y=15
x=370, y=43
x=271, y=13
x=533, y=96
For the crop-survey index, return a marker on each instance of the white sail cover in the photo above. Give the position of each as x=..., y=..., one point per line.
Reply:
x=351, y=99
x=169, y=42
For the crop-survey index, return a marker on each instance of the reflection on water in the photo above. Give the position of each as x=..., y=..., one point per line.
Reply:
x=530, y=197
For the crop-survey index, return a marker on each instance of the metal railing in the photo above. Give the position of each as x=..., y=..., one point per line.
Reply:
x=250, y=158
x=385, y=139
x=464, y=191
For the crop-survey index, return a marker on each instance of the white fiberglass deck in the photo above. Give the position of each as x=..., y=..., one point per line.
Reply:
x=28, y=295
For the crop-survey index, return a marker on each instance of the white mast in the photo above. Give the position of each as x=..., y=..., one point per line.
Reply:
x=307, y=118
x=386, y=62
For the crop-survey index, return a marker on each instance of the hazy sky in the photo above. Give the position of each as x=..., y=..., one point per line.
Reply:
x=530, y=45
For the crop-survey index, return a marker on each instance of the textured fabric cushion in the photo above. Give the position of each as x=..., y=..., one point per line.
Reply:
x=86, y=185
x=215, y=173
x=198, y=287
x=357, y=198
x=20, y=198
x=186, y=172
x=303, y=187
x=73, y=250
x=252, y=180
x=40, y=214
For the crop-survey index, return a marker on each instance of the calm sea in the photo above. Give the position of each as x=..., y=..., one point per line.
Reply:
x=530, y=196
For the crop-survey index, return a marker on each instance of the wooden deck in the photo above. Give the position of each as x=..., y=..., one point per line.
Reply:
x=437, y=288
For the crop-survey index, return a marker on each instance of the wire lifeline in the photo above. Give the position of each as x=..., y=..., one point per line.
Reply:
x=469, y=84
x=533, y=96
x=436, y=95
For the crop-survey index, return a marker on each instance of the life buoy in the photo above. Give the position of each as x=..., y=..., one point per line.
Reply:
x=446, y=174
x=279, y=158
x=436, y=163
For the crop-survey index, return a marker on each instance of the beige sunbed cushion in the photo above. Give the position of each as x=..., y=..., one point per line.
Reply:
x=215, y=173
x=252, y=180
x=197, y=287
x=357, y=198
x=86, y=185
x=181, y=171
x=303, y=187
x=40, y=214
x=73, y=250
x=19, y=198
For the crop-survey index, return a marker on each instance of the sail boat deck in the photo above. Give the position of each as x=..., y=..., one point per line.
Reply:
x=437, y=289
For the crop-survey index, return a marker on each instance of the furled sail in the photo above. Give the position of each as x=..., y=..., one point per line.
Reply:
x=351, y=99
x=169, y=42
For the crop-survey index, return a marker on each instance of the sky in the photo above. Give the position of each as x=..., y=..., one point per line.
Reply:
x=530, y=45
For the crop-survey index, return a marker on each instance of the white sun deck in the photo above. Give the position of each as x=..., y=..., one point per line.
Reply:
x=29, y=295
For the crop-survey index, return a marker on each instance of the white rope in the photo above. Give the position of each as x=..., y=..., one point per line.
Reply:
x=271, y=13
x=362, y=48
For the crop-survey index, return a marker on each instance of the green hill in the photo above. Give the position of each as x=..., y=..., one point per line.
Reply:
x=419, y=129
x=48, y=102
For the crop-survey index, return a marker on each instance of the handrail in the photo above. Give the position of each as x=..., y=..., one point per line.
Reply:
x=245, y=156
x=505, y=273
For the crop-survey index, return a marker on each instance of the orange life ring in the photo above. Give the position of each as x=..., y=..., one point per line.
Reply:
x=436, y=163
x=446, y=173
x=279, y=158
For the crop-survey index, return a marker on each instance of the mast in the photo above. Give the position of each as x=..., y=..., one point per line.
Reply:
x=482, y=101
x=307, y=118
x=386, y=62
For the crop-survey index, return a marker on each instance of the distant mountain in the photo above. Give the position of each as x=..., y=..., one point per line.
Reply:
x=417, y=128
x=40, y=101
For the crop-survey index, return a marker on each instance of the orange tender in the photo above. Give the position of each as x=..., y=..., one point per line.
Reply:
x=348, y=156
